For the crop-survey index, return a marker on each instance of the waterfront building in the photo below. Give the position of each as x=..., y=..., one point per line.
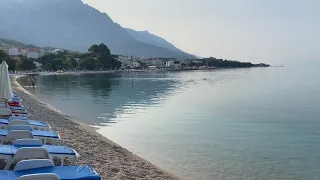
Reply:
x=169, y=63
x=136, y=64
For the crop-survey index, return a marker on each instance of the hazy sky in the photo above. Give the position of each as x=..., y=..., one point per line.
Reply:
x=247, y=30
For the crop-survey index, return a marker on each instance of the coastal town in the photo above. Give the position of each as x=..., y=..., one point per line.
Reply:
x=128, y=62
x=65, y=60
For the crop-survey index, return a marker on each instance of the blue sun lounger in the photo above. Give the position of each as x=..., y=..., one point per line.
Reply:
x=35, y=124
x=63, y=172
x=7, y=152
x=54, y=151
x=45, y=135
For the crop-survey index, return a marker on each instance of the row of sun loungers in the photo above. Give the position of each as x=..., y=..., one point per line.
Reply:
x=31, y=144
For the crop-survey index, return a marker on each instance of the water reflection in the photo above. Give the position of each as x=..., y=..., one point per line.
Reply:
x=96, y=99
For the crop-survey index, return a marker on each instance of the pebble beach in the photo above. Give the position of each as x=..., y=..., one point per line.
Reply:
x=110, y=160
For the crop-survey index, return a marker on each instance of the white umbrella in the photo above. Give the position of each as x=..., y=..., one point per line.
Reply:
x=5, y=88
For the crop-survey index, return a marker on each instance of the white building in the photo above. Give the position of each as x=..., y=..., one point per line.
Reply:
x=14, y=52
x=152, y=67
x=197, y=62
x=56, y=51
x=170, y=63
x=136, y=64
x=124, y=58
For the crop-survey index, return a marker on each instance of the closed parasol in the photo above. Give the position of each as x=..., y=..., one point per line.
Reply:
x=5, y=85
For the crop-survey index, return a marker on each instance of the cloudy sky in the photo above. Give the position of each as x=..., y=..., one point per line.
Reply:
x=276, y=31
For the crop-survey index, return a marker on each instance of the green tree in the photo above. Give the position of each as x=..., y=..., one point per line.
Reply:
x=104, y=49
x=25, y=64
x=99, y=49
x=57, y=63
x=101, y=53
x=5, y=57
x=98, y=57
x=66, y=64
x=47, y=66
x=117, y=65
x=94, y=49
x=88, y=63
x=73, y=63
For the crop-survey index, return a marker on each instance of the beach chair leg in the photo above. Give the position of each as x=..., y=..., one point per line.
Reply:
x=2, y=141
x=7, y=159
x=73, y=160
x=51, y=157
x=62, y=161
x=9, y=163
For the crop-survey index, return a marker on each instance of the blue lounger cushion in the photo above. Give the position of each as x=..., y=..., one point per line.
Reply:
x=37, y=123
x=20, y=118
x=43, y=134
x=6, y=150
x=64, y=173
x=31, y=122
x=52, y=149
x=15, y=99
x=23, y=118
x=17, y=108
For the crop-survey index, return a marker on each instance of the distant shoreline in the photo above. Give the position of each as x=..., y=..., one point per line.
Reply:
x=109, y=159
x=137, y=70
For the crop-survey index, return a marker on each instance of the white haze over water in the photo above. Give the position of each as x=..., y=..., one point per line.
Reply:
x=272, y=31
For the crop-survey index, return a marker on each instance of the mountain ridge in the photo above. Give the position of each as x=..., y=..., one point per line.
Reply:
x=147, y=37
x=74, y=25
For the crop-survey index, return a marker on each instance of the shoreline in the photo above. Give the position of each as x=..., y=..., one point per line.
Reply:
x=130, y=71
x=109, y=159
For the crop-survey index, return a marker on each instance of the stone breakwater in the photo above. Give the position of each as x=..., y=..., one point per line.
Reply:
x=110, y=160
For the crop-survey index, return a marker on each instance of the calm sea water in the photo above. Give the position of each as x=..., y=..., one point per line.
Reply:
x=260, y=123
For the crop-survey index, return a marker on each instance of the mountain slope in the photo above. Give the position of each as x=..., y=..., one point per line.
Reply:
x=146, y=37
x=73, y=25
x=9, y=42
x=20, y=45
